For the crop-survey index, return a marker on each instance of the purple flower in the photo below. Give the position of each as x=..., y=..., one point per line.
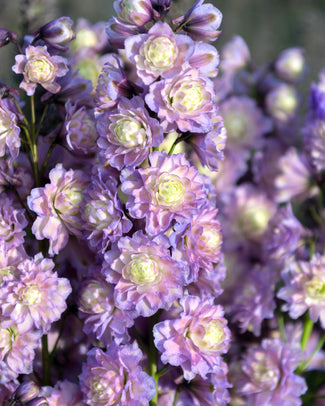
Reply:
x=57, y=32
x=158, y=53
x=211, y=391
x=234, y=55
x=210, y=147
x=117, y=31
x=185, y=101
x=17, y=352
x=282, y=103
x=196, y=339
x=115, y=378
x=305, y=288
x=254, y=300
x=127, y=135
x=244, y=122
x=201, y=241
x=170, y=189
x=146, y=277
x=12, y=222
x=294, y=179
x=267, y=377
x=317, y=97
x=58, y=207
x=81, y=129
x=103, y=213
x=315, y=142
x=9, y=130
x=137, y=12
x=247, y=213
x=113, y=84
x=291, y=64
x=36, y=297
x=38, y=66
x=6, y=37
x=63, y=393
x=201, y=22
x=101, y=316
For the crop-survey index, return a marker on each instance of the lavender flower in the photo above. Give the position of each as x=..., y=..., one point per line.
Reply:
x=210, y=147
x=170, y=189
x=315, y=142
x=81, y=129
x=304, y=288
x=201, y=22
x=244, y=122
x=317, y=97
x=185, y=102
x=17, y=352
x=9, y=130
x=36, y=298
x=12, y=222
x=6, y=37
x=134, y=12
x=291, y=64
x=63, y=393
x=146, y=277
x=38, y=66
x=267, y=375
x=127, y=135
x=247, y=214
x=158, y=53
x=294, y=179
x=113, y=84
x=58, y=207
x=57, y=32
x=103, y=213
x=196, y=339
x=282, y=103
x=201, y=240
x=254, y=299
x=101, y=317
x=115, y=378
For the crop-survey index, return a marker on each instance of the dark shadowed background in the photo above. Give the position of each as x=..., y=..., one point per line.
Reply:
x=268, y=26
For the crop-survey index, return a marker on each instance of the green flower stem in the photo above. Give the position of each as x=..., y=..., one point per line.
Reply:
x=42, y=119
x=45, y=361
x=175, y=398
x=308, y=328
x=304, y=365
x=281, y=325
x=183, y=137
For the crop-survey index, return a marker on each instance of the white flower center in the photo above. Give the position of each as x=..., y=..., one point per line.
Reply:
x=208, y=337
x=129, y=132
x=32, y=295
x=40, y=69
x=189, y=97
x=160, y=52
x=142, y=270
x=170, y=190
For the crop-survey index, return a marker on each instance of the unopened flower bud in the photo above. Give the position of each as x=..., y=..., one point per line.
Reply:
x=6, y=37
x=26, y=392
x=57, y=32
x=282, y=102
x=41, y=401
x=291, y=64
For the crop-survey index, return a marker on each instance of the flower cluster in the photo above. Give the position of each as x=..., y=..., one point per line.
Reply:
x=161, y=221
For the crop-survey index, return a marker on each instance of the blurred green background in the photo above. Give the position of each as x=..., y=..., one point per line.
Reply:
x=268, y=26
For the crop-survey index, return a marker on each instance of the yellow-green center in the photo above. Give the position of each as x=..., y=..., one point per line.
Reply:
x=142, y=270
x=130, y=132
x=170, y=191
x=40, y=69
x=188, y=97
x=160, y=52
